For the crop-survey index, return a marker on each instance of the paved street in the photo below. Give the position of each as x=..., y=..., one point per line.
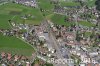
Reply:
x=55, y=44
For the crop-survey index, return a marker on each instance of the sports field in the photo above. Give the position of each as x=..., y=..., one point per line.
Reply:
x=15, y=46
x=15, y=12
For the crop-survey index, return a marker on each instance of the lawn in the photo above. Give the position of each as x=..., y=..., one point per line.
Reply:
x=16, y=11
x=15, y=46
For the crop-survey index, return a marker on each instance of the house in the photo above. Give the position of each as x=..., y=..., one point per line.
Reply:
x=93, y=53
x=89, y=64
x=97, y=64
x=51, y=24
x=82, y=65
x=41, y=36
x=27, y=63
x=36, y=64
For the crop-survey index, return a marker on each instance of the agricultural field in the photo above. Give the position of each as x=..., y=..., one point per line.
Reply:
x=19, y=14
x=14, y=45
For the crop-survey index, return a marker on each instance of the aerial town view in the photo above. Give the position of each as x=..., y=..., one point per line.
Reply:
x=49, y=32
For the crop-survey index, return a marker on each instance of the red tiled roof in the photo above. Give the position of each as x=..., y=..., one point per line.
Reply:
x=3, y=54
x=89, y=64
x=23, y=57
x=36, y=64
x=97, y=64
x=9, y=56
x=11, y=65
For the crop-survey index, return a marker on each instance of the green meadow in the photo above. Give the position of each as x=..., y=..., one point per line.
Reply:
x=14, y=12
x=15, y=46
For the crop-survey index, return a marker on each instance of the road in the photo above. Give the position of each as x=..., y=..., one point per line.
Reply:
x=55, y=44
x=58, y=52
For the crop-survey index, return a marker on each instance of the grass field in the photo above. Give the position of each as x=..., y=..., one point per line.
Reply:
x=59, y=19
x=4, y=21
x=15, y=46
x=91, y=3
x=45, y=4
x=85, y=23
x=63, y=3
x=16, y=11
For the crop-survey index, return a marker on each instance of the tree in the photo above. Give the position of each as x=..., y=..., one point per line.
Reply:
x=97, y=3
x=48, y=64
x=78, y=38
x=9, y=20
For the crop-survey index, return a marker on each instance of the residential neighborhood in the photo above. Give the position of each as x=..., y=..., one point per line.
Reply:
x=67, y=33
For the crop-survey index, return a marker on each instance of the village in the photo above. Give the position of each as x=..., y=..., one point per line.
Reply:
x=78, y=42
x=44, y=36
